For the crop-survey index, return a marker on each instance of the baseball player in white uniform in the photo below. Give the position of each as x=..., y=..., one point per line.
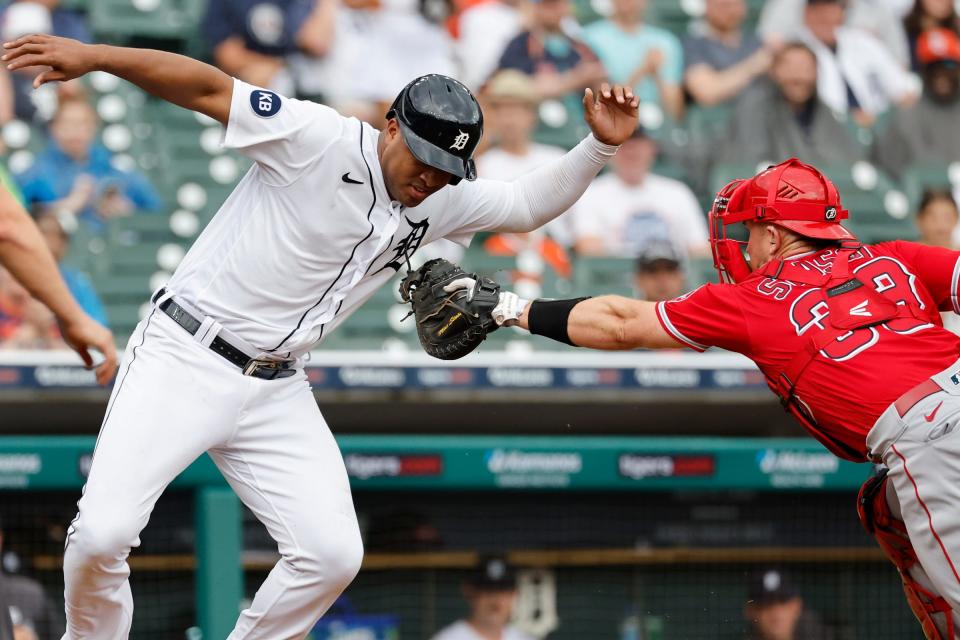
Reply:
x=328, y=213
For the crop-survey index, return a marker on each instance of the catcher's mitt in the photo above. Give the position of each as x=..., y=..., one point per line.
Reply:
x=450, y=324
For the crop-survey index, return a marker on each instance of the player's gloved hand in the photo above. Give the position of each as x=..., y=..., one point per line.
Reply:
x=509, y=307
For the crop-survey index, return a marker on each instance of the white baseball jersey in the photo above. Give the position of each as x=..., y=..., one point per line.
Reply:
x=310, y=232
x=461, y=630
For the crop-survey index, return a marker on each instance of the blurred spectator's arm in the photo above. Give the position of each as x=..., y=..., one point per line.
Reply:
x=142, y=193
x=590, y=246
x=589, y=73
x=710, y=86
x=315, y=36
x=552, y=84
x=233, y=57
x=665, y=67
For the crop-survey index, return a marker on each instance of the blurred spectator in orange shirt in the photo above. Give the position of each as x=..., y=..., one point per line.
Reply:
x=927, y=132
x=924, y=16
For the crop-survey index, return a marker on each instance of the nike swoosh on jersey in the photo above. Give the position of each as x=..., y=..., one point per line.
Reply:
x=346, y=178
x=933, y=414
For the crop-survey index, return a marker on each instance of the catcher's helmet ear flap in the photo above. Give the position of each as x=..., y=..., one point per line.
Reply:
x=441, y=123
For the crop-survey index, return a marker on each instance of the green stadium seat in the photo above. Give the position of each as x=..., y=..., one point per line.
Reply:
x=123, y=317
x=122, y=20
x=878, y=209
x=123, y=289
x=595, y=275
x=919, y=178
x=700, y=271
x=140, y=228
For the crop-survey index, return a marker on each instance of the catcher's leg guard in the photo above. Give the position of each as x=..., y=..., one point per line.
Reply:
x=931, y=610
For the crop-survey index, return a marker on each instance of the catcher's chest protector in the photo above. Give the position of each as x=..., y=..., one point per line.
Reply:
x=852, y=305
x=891, y=534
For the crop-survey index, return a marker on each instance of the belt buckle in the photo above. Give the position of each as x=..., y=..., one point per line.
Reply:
x=253, y=366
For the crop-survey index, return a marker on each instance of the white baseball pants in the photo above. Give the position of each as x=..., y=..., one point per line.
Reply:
x=922, y=451
x=173, y=400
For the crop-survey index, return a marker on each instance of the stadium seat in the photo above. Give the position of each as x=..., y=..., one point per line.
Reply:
x=700, y=271
x=918, y=178
x=123, y=20
x=593, y=276
x=878, y=209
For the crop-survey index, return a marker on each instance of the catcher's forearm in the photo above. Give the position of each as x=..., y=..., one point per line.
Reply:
x=178, y=79
x=606, y=322
x=545, y=193
x=25, y=254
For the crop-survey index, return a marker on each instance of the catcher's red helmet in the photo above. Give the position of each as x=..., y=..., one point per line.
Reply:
x=791, y=194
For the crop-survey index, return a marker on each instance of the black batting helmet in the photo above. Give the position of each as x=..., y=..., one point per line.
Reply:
x=441, y=122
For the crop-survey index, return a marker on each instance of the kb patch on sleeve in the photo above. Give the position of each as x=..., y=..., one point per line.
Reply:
x=265, y=104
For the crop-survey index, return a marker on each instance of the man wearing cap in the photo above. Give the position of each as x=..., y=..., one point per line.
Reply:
x=330, y=210
x=490, y=591
x=658, y=272
x=927, y=132
x=775, y=610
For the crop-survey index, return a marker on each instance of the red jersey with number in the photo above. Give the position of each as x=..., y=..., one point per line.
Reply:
x=857, y=376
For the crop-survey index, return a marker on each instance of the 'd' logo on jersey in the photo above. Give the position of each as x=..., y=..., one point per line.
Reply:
x=407, y=245
x=461, y=141
x=265, y=104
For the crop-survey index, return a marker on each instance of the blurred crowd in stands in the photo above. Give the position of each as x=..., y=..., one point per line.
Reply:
x=872, y=85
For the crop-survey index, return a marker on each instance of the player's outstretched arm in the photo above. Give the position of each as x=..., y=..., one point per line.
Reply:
x=183, y=81
x=25, y=254
x=612, y=323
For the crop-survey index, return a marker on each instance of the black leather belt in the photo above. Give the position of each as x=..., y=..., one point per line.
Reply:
x=264, y=369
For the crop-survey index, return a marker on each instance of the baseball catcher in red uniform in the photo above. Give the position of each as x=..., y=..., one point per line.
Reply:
x=848, y=335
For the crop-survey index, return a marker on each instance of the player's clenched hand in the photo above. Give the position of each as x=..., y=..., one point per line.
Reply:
x=612, y=113
x=84, y=334
x=67, y=59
